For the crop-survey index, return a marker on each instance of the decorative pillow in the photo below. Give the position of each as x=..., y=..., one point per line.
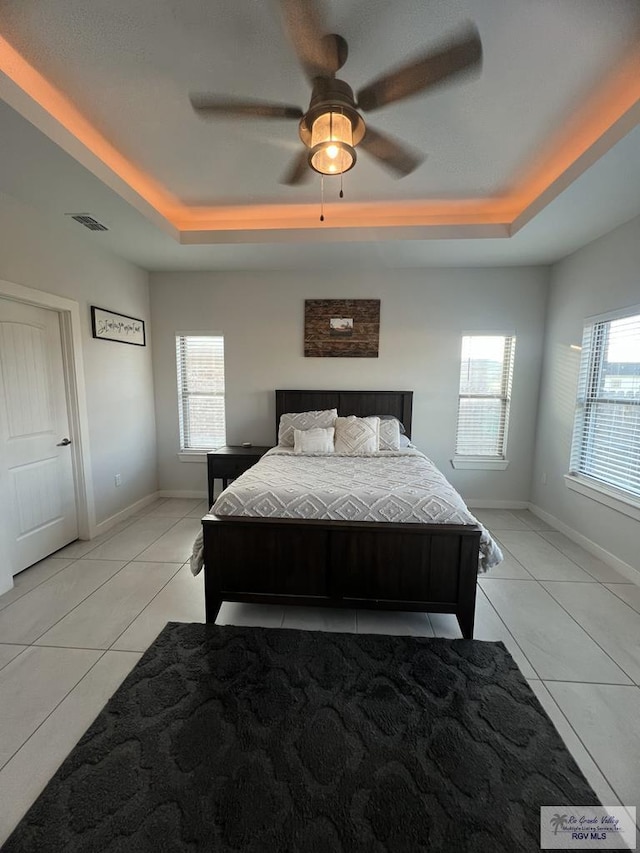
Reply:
x=404, y=441
x=392, y=418
x=303, y=420
x=357, y=435
x=315, y=440
x=390, y=435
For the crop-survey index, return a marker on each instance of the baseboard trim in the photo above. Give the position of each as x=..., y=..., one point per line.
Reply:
x=607, y=557
x=108, y=523
x=488, y=504
x=125, y=513
x=625, y=569
x=174, y=493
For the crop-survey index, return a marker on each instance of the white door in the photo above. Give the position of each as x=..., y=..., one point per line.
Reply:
x=36, y=468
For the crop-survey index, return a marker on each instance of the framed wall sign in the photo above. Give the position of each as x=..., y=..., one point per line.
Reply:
x=341, y=328
x=110, y=326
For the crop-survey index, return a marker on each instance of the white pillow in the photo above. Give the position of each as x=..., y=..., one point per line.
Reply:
x=303, y=420
x=357, y=435
x=315, y=440
x=389, y=435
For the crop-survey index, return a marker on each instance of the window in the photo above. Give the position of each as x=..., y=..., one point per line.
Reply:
x=200, y=363
x=486, y=373
x=606, y=437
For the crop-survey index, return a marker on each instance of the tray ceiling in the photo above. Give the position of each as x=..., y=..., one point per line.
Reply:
x=109, y=83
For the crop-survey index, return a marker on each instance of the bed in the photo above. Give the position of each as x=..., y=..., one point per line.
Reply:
x=380, y=564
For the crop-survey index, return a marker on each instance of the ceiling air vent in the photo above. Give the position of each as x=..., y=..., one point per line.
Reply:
x=88, y=221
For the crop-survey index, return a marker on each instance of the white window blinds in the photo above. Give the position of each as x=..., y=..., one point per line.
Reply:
x=200, y=364
x=486, y=373
x=606, y=438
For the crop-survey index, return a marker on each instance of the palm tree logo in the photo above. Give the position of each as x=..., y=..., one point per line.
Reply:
x=557, y=821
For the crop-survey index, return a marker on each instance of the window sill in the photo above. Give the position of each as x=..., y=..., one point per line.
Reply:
x=614, y=499
x=200, y=456
x=479, y=463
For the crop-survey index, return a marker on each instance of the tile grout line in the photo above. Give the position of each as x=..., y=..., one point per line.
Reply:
x=593, y=639
x=75, y=607
x=602, y=583
x=553, y=699
x=571, y=617
x=620, y=597
x=77, y=648
x=133, y=560
x=560, y=553
x=21, y=652
x=99, y=658
x=137, y=616
x=595, y=580
x=431, y=626
x=89, y=596
x=113, y=533
x=131, y=521
x=57, y=705
x=82, y=649
x=507, y=629
x=584, y=746
x=575, y=562
x=633, y=683
x=153, y=541
x=541, y=580
x=513, y=557
x=520, y=580
x=72, y=560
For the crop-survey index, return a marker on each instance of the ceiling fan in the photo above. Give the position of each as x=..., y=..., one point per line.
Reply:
x=332, y=126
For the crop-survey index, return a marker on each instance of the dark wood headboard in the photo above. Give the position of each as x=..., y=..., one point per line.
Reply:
x=360, y=403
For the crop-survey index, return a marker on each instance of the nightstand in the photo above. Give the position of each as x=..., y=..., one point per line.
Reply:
x=227, y=463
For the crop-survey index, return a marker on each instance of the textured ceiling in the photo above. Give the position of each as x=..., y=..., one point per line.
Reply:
x=128, y=67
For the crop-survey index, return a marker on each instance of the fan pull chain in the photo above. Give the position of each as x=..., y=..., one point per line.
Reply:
x=341, y=173
x=321, y=198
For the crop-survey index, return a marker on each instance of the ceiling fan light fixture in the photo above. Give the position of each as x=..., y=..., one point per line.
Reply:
x=332, y=150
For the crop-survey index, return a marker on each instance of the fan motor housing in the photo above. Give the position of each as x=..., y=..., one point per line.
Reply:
x=331, y=94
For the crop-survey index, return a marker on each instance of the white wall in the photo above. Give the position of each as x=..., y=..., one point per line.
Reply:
x=37, y=252
x=600, y=277
x=423, y=314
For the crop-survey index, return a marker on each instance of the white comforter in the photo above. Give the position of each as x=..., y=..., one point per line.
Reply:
x=403, y=486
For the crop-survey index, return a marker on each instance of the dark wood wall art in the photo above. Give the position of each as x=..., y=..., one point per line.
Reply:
x=341, y=328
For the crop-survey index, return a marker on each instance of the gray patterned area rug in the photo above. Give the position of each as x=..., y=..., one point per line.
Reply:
x=257, y=739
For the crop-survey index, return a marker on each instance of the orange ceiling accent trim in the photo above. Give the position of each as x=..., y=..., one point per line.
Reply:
x=349, y=215
x=603, y=120
x=604, y=113
x=54, y=102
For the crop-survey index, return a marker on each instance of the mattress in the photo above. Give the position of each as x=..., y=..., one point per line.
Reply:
x=388, y=486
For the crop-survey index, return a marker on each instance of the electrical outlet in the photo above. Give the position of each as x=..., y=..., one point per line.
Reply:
x=118, y=479
x=544, y=478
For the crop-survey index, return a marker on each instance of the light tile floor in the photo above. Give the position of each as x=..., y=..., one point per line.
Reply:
x=76, y=623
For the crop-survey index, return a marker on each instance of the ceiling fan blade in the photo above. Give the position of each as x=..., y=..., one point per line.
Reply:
x=320, y=54
x=299, y=171
x=394, y=155
x=210, y=106
x=462, y=54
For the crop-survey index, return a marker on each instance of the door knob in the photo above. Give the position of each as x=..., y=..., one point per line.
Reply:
x=64, y=442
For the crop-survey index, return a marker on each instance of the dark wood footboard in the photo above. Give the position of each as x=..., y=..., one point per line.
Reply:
x=377, y=565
